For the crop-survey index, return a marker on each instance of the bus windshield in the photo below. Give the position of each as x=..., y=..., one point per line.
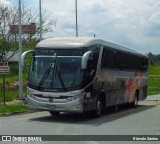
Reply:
x=56, y=69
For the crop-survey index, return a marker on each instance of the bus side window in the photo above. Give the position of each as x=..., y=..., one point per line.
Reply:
x=111, y=59
x=104, y=58
x=146, y=63
x=115, y=59
x=95, y=56
x=132, y=62
x=135, y=62
x=120, y=60
x=125, y=61
x=107, y=58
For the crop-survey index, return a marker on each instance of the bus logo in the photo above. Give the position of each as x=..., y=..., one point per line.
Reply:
x=50, y=99
x=6, y=138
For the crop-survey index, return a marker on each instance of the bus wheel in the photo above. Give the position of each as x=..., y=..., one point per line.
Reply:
x=99, y=105
x=116, y=108
x=135, y=103
x=53, y=113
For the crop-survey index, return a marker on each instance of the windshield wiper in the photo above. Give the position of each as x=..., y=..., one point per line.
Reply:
x=57, y=72
x=61, y=80
x=45, y=75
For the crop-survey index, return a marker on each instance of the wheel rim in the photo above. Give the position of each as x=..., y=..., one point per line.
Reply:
x=99, y=107
x=136, y=101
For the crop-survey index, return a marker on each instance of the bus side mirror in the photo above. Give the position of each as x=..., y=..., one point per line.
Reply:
x=23, y=56
x=85, y=59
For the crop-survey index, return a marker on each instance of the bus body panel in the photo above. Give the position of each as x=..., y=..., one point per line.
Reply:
x=121, y=88
x=70, y=101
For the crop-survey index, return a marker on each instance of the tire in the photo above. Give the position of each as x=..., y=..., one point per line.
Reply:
x=53, y=113
x=99, y=108
x=116, y=108
x=135, y=103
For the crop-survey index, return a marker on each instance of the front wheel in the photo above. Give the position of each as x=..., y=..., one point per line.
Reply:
x=53, y=113
x=99, y=108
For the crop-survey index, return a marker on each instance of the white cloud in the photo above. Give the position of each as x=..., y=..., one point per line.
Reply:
x=134, y=23
x=5, y=2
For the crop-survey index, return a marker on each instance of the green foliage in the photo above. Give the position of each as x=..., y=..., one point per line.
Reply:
x=12, y=78
x=154, y=85
x=10, y=95
x=154, y=70
x=154, y=80
x=14, y=69
x=154, y=59
x=8, y=16
x=12, y=108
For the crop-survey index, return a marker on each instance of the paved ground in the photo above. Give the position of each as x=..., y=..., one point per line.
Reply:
x=153, y=98
x=143, y=120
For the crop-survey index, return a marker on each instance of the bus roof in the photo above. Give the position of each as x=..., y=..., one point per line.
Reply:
x=68, y=42
x=81, y=42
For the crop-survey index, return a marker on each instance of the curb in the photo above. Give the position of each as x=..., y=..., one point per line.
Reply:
x=18, y=113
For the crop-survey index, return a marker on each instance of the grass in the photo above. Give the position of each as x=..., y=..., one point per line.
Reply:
x=10, y=95
x=154, y=70
x=153, y=84
x=12, y=108
x=153, y=80
x=11, y=79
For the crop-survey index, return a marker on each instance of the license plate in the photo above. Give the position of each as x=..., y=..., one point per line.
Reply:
x=51, y=106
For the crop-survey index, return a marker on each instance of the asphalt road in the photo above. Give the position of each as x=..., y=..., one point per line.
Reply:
x=144, y=120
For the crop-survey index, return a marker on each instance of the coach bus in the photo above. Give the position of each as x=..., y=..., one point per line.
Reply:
x=84, y=74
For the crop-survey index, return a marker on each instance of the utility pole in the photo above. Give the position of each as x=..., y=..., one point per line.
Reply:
x=76, y=18
x=4, y=87
x=40, y=19
x=20, y=52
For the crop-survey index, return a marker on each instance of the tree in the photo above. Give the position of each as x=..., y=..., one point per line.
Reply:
x=154, y=59
x=9, y=16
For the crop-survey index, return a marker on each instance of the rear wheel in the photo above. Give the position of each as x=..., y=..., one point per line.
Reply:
x=116, y=108
x=135, y=103
x=53, y=113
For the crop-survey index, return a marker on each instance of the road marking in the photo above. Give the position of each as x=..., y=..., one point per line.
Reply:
x=92, y=142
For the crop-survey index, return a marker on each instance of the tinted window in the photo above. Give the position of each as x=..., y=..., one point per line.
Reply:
x=116, y=59
x=107, y=58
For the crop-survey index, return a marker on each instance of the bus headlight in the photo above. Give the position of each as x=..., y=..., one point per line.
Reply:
x=76, y=97
x=72, y=98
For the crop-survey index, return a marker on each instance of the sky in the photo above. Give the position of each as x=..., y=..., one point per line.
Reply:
x=132, y=23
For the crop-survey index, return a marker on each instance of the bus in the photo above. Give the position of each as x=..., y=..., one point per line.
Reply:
x=80, y=74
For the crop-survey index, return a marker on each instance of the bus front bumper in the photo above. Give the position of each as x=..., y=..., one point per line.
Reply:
x=75, y=106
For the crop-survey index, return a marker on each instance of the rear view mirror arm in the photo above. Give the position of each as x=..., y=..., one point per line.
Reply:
x=23, y=56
